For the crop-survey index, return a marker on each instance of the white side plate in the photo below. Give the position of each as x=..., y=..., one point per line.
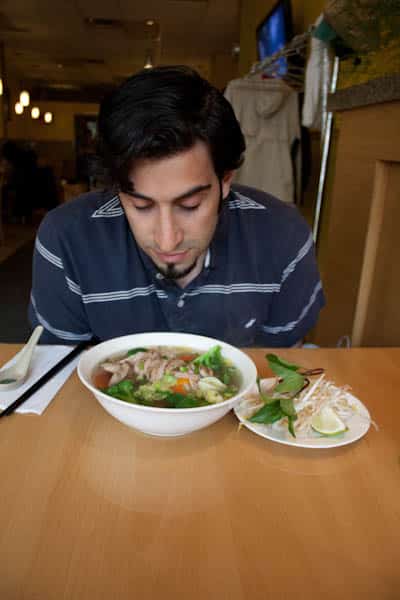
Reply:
x=358, y=426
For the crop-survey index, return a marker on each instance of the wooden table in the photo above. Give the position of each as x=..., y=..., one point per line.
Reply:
x=90, y=509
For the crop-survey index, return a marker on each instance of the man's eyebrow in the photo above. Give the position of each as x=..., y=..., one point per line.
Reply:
x=188, y=194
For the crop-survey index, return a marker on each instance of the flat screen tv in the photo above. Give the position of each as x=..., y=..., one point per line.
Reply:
x=274, y=32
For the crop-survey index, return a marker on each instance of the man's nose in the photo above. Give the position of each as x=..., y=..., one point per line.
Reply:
x=169, y=234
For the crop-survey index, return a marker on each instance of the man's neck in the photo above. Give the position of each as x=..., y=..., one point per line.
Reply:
x=184, y=281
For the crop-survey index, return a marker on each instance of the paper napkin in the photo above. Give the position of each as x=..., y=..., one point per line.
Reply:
x=44, y=358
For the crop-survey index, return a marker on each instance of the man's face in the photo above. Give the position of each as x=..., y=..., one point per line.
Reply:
x=173, y=210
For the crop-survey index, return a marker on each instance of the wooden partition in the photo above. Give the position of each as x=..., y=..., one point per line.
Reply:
x=377, y=316
x=367, y=158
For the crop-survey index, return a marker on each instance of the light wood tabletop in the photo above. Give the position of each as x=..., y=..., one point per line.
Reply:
x=93, y=510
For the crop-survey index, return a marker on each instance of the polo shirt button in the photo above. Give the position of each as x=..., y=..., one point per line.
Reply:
x=160, y=276
x=181, y=303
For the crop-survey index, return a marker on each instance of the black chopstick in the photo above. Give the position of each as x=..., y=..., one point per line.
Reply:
x=45, y=378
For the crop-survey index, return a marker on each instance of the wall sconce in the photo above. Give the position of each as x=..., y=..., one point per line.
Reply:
x=235, y=50
x=35, y=112
x=1, y=87
x=48, y=117
x=19, y=109
x=24, y=98
x=148, y=63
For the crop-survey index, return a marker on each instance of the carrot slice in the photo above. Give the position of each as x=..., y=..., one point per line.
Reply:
x=181, y=386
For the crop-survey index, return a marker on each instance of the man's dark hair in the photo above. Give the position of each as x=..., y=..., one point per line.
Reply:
x=160, y=112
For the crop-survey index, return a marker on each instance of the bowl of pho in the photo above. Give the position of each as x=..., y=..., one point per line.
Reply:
x=167, y=384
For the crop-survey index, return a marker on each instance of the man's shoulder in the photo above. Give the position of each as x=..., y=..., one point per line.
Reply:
x=86, y=209
x=261, y=210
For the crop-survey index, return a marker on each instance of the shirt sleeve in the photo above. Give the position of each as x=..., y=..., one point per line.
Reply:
x=295, y=308
x=56, y=299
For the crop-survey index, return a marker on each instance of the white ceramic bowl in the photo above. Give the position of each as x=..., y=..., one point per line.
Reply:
x=164, y=421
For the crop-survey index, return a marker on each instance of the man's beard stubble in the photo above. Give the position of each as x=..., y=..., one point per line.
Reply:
x=171, y=272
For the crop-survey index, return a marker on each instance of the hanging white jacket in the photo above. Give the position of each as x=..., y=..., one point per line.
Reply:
x=267, y=110
x=316, y=83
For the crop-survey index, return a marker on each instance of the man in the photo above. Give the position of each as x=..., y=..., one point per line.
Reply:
x=174, y=246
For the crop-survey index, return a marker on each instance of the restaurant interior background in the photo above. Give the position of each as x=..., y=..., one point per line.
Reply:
x=67, y=55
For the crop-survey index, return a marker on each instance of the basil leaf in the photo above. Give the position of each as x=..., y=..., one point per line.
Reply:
x=290, y=426
x=280, y=366
x=292, y=382
x=264, y=397
x=288, y=408
x=269, y=413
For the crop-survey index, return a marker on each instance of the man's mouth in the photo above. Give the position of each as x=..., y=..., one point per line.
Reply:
x=171, y=258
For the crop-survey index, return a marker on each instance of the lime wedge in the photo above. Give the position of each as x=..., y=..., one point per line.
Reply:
x=327, y=422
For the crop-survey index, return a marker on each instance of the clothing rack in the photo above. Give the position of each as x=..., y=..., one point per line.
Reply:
x=326, y=143
x=270, y=67
x=294, y=47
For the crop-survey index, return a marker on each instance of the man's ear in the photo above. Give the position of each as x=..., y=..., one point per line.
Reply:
x=226, y=183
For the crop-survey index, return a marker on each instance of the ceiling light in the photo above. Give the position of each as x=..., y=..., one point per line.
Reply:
x=35, y=112
x=19, y=109
x=149, y=22
x=24, y=98
x=48, y=117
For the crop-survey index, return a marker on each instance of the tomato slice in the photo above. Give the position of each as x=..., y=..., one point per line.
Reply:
x=101, y=379
x=187, y=357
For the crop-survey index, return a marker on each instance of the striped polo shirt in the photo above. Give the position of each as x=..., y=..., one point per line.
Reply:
x=259, y=286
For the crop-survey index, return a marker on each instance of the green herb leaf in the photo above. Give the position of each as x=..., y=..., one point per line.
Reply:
x=288, y=408
x=135, y=351
x=176, y=400
x=226, y=377
x=292, y=382
x=280, y=366
x=269, y=413
x=281, y=403
x=211, y=359
x=124, y=390
x=264, y=397
x=290, y=426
